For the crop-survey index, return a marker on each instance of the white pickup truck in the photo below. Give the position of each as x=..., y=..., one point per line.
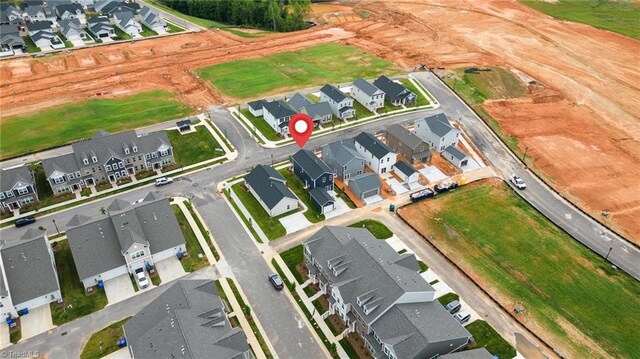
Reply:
x=518, y=182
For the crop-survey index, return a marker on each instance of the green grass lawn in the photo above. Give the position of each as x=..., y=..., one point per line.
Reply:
x=247, y=313
x=208, y=24
x=617, y=16
x=173, y=28
x=292, y=258
x=296, y=185
x=423, y=266
x=191, y=263
x=31, y=46
x=146, y=31
x=487, y=337
x=527, y=261
x=194, y=147
x=108, y=336
x=271, y=226
x=344, y=197
x=420, y=100
x=261, y=125
x=205, y=233
x=361, y=111
x=326, y=63
x=76, y=303
x=378, y=229
x=64, y=124
x=244, y=219
x=121, y=35
x=446, y=298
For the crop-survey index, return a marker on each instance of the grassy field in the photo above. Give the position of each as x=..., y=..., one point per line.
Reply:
x=173, y=28
x=271, y=226
x=108, y=336
x=617, y=16
x=64, y=124
x=487, y=337
x=76, y=303
x=378, y=229
x=295, y=184
x=287, y=71
x=522, y=259
x=194, y=147
x=191, y=263
x=261, y=125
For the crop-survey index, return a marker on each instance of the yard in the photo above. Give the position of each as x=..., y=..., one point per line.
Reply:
x=378, y=229
x=173, y=28
x=31, y=46
x=296, y=185
x=447, y=298
x=76, y=303
x=104, y=342
x=192, y=263
x=261, y=125
x=194, y=147
x=288, y=71
x=420, y=99
x=568, y=294
x=487, y=337
x=64, y=124
x=271, y=226
x=146, y=31
x=294, y=259
x=121, y=35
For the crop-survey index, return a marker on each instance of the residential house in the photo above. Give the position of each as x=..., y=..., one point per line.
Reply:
x=270, y=190
x=378, y=156
x=10, y=14
x=100, y=27
x=127, y=237
x=479, y=353
x=320, y=113
x=322, y=200
x=188, y=320
x=407, y=144
x=86, y=4
x=34, y=13
x=72, y=30
x=298, y=101
x=395, y=93
x=70, y=11
x=50, y=11
x=17, y=188
x=152, y=20
x=406, y=173
x=311, y=170
x=367, y=94
x=107, y=157
x=455, y=156
x=278, y=114
x=341, y=104
x=28, y=277
x=343, y=158
x=42, y=35
x=126, y=22
x=380, y=295
x=10, y=40
x=110, y=7
x=256, y=107
x=366, y=187
x=437, y=132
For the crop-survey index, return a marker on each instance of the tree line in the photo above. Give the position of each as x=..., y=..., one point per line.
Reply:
x=274, y=15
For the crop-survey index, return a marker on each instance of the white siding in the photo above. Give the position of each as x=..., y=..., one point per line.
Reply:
x=285, y=205
x=378, y=165
x=40, y=301
x=168, y=253
x=116, y=272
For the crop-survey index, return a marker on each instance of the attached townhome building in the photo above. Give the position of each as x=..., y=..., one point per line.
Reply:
x=341, y=104
x=28, y=277
x=107, y=157
x=270, y=190
x=278, y=114
x=367, y=94
x=43, y=36
x=10, y=14
x=100, y=27
x=380, y=295
x=126, y=238
x=437, y=132
x=72, y=30
x=17, y=188
x=395, y=93
x=379, y=157
x=152, y=20
x=343, y=158
x=188, y=321
x=126, y=22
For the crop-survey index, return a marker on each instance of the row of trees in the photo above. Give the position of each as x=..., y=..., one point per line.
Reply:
x=275, y=15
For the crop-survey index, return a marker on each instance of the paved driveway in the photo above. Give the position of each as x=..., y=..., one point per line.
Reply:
x=295, y=222
x=397, y=187
x=119, y=289
x=432, y=173
x=169, y=269
x=37, y=321
x=78, y=43
x=341, y=207
x=372, y=199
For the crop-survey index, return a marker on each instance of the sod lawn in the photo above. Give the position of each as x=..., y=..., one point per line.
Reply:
x=192, y=263
x=295, y=184
x=485, y=336
x=271, y=226
x=326, y=63
x=378, y=229
x=104, y=341
x=64, y=124
x=194, y=147
x=568, y=294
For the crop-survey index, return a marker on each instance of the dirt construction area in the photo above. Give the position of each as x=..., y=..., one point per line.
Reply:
x=584, y=136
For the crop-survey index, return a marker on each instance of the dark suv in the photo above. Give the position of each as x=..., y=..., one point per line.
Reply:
x=276, y=281
x=24, y=221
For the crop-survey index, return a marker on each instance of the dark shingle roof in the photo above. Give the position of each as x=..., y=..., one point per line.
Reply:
x=65, y=164
x=372, y=144
x=405, y=168
x=72, y=8
x=257, y=105
x=455, y=152
x=333, y=92
x=365, y=86
x=311, y=164
x=404, y=136
x=39, y=25
x=479, y=353
x=8, y=29
x=343, y=151
x=269, y=185
x=438, y=124
x=10, y=176
x=298, y=101
x=321, y=196
x=315, y=110
x=279, y=109
x=392, y=89
x=365, y=182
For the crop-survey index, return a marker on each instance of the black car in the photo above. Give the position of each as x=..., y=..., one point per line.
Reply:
x=276, y=281
x=24, y=221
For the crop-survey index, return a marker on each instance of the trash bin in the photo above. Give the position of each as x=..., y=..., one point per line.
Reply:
x=392, y=207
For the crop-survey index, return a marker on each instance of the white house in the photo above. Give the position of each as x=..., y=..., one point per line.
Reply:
x=70, y=11
x=455, y=156
x=72, y=30
x=34, y=14
x=278, y=114
x=127, y=23
x=270, y=190
x=256, y=107
x=42, y=35
x=437, y=132
x=367, y=94
x=341, y=104
x=406, y=173
x=152, y=20
x=378, y=156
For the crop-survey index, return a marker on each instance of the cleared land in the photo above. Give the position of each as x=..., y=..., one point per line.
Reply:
x=617, y=16
x=61, y=125
x=282, y=72
x=570, y=297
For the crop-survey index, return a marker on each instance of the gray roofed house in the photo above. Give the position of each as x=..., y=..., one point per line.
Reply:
x=343, y=158
x=28, y=273
x=152, y=20
x=333, y=93
x=9, y=14
x=43, y=36
x=100, y=27
x=395, y=93
x=310, y=165
x=320, y=112
x=10, y=39
x=437, y=131
x=455, y=156
x=380, y=295
x=298, y=101
x=69, y=11
x=407, y=144
x=125, y=21
x=125, y=238
x=277, y=114
x=17, y=188
x=341, y=104
x=479, y=353
x=35, y=13
x=367, y=94
x=256, y=107
x=109, y=7
x=189, y=320
x=72, y=30
x=405, y=168
x=366, y=187
x=322, y=200
x=376, y=153
x=372, y=144
x=38, y=26
x=270, y=189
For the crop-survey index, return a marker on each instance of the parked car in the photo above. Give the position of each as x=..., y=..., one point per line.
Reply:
x=276, y=281
x=163, y=181
x=143, y=282
x=453, y=306
x=518, y=182
x=462, y=317
x=24, y=221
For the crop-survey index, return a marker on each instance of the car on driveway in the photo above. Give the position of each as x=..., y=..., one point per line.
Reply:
x=163, y=181
x=453, y=306
x=462, y=317
x=518, y=182
x=20, y=222
x=276, y=281
x=143, y=282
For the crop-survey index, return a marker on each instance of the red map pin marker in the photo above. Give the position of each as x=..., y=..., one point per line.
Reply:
x=300, y=128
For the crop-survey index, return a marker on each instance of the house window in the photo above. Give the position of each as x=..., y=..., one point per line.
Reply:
x=93, y=170
x=78, y=174
x=85, y=161
x=324, y=179
x=154, y=155
x=108, y=167
x=71, y=176
x=135, y=148
x=9, y=194
x=164, y=152
x=58, y=180
x=124, y=173
x=137, y=254
x=94, y=159
x=421, y=148
x=147, y=156
x=1, y=195
x=121, y=165
x=288, y=206
x=126, y=151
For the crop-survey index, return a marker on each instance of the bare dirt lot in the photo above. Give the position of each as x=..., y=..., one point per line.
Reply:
x=586, y=136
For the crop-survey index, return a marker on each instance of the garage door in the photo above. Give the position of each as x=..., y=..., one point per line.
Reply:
x=328, y=208
x=373, y=192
